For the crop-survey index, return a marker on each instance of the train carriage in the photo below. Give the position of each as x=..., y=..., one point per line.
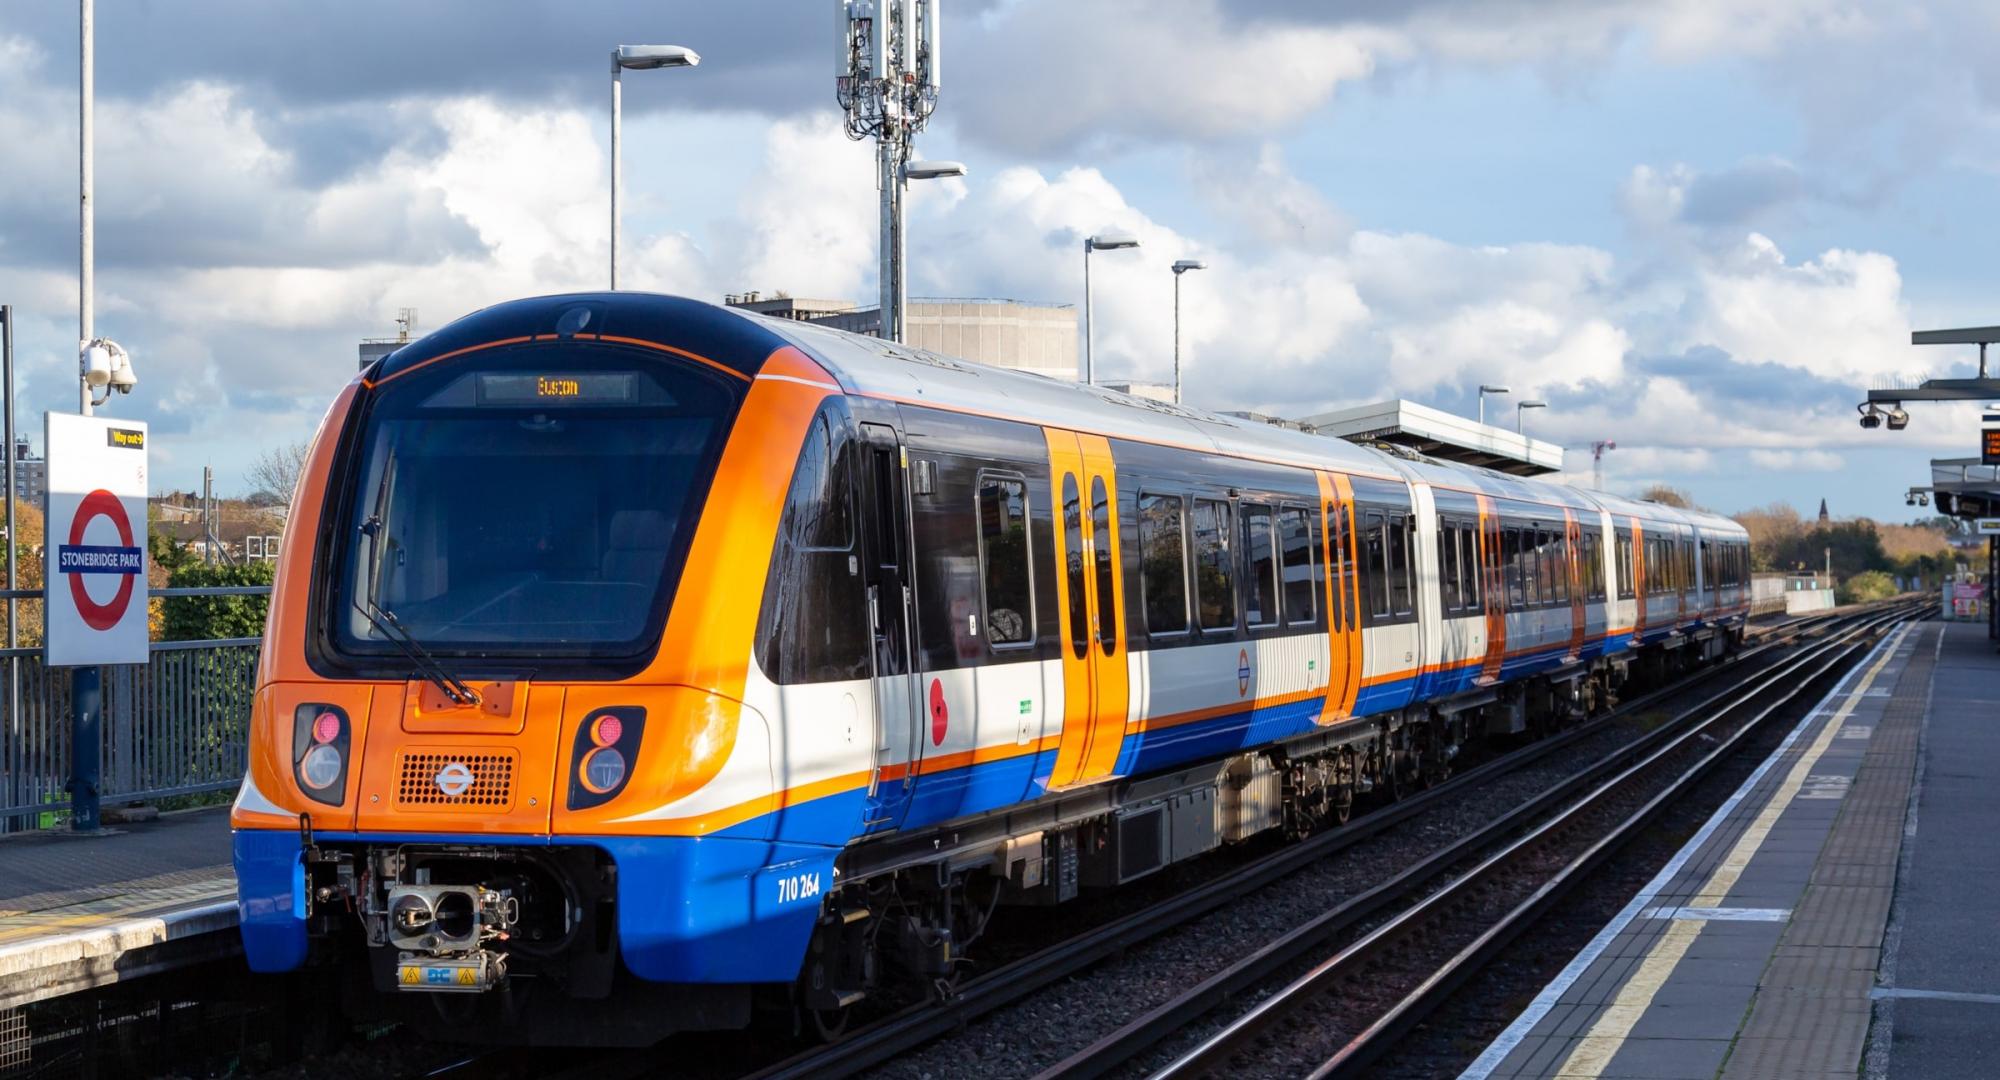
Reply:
x=645, y=660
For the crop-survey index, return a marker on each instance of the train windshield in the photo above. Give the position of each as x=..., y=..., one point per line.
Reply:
x=536, y=507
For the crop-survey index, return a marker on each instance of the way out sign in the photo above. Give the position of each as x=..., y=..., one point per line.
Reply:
x=96, y=545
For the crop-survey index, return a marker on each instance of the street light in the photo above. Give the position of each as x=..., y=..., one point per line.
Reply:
x=1523, y=406
x=636, y=58
x=1181, y=267
x=1108, y=241
x=932, y=170
x=1485, y=390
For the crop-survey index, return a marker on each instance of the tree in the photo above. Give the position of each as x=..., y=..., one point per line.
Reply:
x=276, y=472
x=27, y=543
x=1668, y=496
x=206, y=618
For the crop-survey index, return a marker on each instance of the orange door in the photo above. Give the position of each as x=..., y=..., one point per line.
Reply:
x=1343, y=624
x=1090, y=597
x=1494, y=574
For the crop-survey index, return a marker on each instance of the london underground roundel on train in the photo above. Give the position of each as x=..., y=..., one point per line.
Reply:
x=95, y=611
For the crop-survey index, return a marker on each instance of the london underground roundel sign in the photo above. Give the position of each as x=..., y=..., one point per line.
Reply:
x=95, y=611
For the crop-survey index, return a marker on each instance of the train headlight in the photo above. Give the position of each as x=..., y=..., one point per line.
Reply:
x=606, y=744
x=603, y=770
x=321, y=767
x=321, y=736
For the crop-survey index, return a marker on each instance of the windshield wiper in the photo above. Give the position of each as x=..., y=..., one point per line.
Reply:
x=382, y=619
x=392, y=628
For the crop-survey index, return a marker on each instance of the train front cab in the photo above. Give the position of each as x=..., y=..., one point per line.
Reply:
x=560, y=532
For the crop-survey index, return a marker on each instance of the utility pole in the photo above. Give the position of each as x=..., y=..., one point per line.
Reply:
x=886, y=78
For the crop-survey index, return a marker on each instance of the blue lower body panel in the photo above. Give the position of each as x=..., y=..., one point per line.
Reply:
x=712, y=909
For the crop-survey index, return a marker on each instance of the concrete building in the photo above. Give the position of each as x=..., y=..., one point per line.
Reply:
x=1150, y=390
x=31, y=474
x=1003, y=333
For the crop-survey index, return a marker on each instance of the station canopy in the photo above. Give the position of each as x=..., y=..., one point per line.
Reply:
x=1442, y=435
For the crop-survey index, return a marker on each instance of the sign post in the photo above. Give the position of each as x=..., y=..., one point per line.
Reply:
x=94, y=607
x=1989, y=439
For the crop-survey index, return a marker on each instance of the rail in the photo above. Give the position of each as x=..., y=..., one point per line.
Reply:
x=913, y=1026
x=174, y=726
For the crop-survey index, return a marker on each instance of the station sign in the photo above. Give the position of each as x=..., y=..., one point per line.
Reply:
x=1989, y=439
x=95, y=563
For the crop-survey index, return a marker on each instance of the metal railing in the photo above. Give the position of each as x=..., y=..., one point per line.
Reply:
x=177, y=725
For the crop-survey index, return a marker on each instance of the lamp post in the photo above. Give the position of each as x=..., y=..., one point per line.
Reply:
x=1110, y=241
x=1523, y=407
x=636, y=58
x=892, y=320
x=1181, y=267
x=1485, y=390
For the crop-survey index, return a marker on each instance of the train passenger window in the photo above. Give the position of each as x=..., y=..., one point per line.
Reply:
x=1375, y=564
x=1561, y=550
x=1102, y=540
x=1469, y=553
x=1510, y=565
x=1163, y=563
x=1214, y=568
x=1296, y=534
x=1447, y=566
x=1004, y=561
x=1260, y=561
x=1400, y=564
x=1531, y=590
x=1079, y=609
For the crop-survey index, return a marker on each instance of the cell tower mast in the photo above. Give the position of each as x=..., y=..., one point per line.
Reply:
x=886, y=79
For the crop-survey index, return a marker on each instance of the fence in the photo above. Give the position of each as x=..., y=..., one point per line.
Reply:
x=175, y=726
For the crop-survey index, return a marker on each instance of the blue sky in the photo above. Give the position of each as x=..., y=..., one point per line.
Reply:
x=1697, y=227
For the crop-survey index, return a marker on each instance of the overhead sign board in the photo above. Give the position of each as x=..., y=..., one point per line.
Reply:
x=95, y=569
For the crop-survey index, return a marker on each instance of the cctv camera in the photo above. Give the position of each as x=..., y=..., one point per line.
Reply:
x=1871, y=420
x=1898, y=419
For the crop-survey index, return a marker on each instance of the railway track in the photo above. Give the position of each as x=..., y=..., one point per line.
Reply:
x=1514, y=877
x=892, y=1036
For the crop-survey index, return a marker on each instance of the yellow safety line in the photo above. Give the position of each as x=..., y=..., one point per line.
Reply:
x=12, y=934
x=1593, y=1052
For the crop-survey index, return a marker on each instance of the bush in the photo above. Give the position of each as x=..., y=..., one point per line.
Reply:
x=204, y=618
x=1867, y=586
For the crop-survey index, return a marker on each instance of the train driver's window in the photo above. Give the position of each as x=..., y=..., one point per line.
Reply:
x=1004, y=561
x=1214, y=566
x=1163, y=563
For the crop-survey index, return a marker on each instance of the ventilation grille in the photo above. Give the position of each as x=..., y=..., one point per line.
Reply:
x=492, y=782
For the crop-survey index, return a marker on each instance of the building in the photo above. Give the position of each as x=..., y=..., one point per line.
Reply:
x=1150, y=390
x=31, y=475
x=373, y=349
x=1013, y=334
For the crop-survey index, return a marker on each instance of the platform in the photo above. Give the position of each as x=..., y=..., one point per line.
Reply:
x=1838, y=916
x=79, y=912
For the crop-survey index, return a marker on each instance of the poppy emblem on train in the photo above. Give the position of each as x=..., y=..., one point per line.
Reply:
x=940, y=714
x=76, y=558
x=454, y=779
x=1242, y=672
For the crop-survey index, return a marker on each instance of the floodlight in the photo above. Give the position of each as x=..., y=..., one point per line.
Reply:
x=1494, y=390
x=932, y=170
x=1111, y=241
x=648, y=57
x=1184, y=265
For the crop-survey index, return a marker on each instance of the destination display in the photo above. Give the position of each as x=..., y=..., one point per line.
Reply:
x=568, y=388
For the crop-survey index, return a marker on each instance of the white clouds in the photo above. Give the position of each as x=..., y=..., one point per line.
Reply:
x=1839, y=314
x=1797, y=460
